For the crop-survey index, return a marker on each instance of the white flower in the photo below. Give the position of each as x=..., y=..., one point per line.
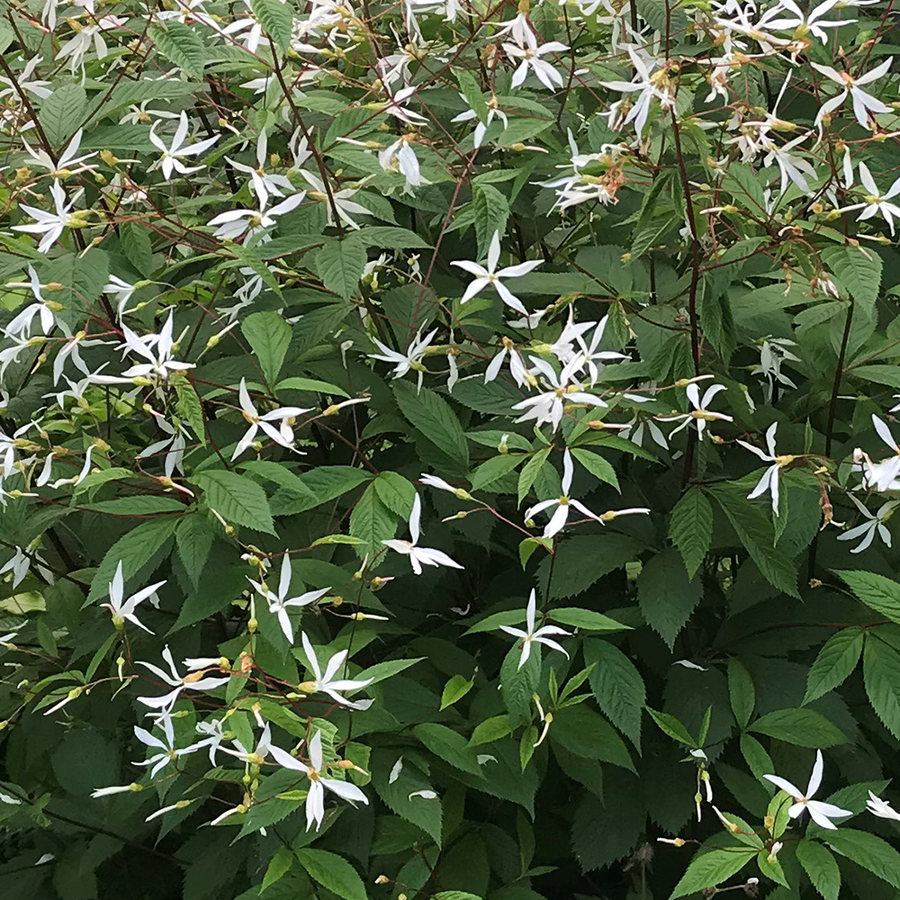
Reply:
x=340, y=200
x=215, y=735
x=318, y=785
x=115, y=789
x=232, y=224
x=21, y=323
x=516, y=367
x=400, y=157
x=68, y=161
x=482, y=126
x=560, y=516
x=419, y=556
x=876, y=202
x=172, y=156
x=50, y=225
x=801, y=21
x=821, y=813
x=156, y=349
x=174, y=445
x=412, y=359
x=171, y=677
x=872, y=526
x=770, y=478
x=490, y=275
x=262, y=183
x=258, y=754
x=125, y=609
x=121, y=291
x=531, y=56
x=280, y=603
x=326, y=683
x=549, y=406
x=283, y=435
x=881, y=808
x=863, y=104
x=167, y=751
x=646, y=85
x=881, y=476
x=531, y=636
x=590, y=357
x=700, y=414
x=397, y=106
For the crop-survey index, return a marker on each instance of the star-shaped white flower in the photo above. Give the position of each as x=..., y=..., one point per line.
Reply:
x=172, y=156
x=875, y=202
x=284, y=415
x=280, y=603
x=50, y=225
x=873, y=524
x=535, y=636
x=122, y=609
x=563, y=504
x=864, y=104
x=419, y=556
x=770, y=478
x=490, y=275
x=700, y=413
x=318, y=784
x=326, y=683
x=881, y=808
x=820, y=812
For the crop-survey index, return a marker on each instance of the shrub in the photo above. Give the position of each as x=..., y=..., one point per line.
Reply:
x=442, y=450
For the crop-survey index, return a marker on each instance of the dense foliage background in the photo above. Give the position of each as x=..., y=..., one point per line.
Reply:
x=447, y=449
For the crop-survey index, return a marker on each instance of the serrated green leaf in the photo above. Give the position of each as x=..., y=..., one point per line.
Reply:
x=238, y=499
x=269, y=337
x=836, y=660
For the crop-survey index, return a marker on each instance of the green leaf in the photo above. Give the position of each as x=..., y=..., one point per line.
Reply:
x=395, y=492
x=597, y=466
x=319, y=485
x=491, y=211
x=238, y=499
x=802, y=727
x=372, y=522
x=455, y=689
x=617, y=685
x=584, y=732
x=671, y=726
x=666, y=595
x=135, y=549
x=277, y=20
x=858, y=269
x=710, y=869
x=387, y=669
x=62, y=112
x=690, y=528
x=585, y=619
x=188, y=406
x=490, y=730
x=340, y=265
x=530, y=472
x=869, y=851
x=296, y=383
x=881, y=670
x=877, y=592
x=396, y=790
x=519, y=683
x=279, y=474
x=448, y=746
x=756, y=534
x=333, y=872
x=269, y=337
x=181, y=45
x=836, y=660
x=194, y=539
x=433, y=416
x=471, y=90
x=391, y=237
x=583, y=559
x=496, y=467
x=278, y=867
x=821, y=868
x=741, y=691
